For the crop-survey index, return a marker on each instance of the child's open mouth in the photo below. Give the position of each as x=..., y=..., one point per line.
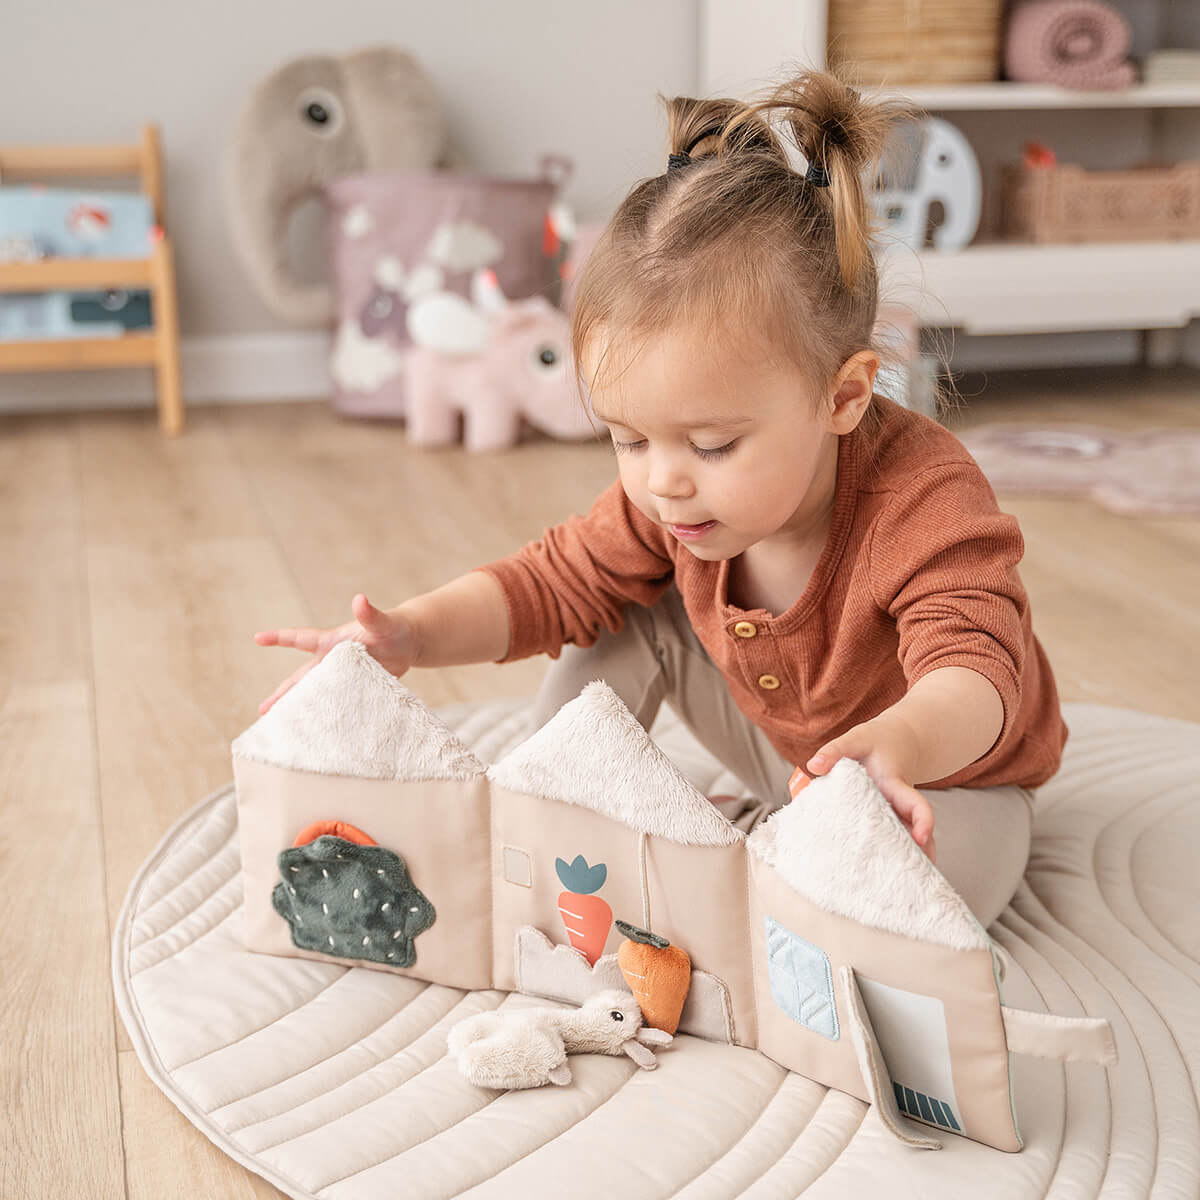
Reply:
x=691, y=533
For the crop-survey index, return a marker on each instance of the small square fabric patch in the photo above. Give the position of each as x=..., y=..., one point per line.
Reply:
x=801, y=980
x=518, y=868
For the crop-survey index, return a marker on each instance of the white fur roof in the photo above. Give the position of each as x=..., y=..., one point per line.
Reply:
x=593, y=753
x=840, y=845
x=350, y=716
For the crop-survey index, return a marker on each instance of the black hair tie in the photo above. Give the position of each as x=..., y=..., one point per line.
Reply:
x=675, y=161
x=816, y=174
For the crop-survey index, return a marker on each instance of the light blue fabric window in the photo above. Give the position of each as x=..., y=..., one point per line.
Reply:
x=801, y=980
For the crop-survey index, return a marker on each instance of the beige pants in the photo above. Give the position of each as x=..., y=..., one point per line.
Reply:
x=982, y=834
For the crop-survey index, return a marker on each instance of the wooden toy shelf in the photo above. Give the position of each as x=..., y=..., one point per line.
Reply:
x=157, y=347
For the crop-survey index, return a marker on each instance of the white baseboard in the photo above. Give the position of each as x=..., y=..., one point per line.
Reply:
x=216, y=370
x=253, y=368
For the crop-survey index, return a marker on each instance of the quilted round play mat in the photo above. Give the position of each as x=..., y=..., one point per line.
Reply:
x=333, y=1081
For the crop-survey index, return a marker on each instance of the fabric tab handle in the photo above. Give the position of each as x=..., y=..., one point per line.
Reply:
x=1067, y=1039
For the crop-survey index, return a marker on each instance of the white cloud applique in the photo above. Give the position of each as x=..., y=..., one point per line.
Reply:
x=464, y=246
x=358, y=222
x=360, y=363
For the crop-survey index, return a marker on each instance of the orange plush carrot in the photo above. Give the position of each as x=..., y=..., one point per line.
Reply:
x=349, y=833
x=798, y=782
x=658, y=974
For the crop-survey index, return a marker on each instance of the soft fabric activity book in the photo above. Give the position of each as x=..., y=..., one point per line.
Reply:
x=827, y=940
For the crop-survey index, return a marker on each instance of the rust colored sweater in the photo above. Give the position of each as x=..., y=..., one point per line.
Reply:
x=919, y=571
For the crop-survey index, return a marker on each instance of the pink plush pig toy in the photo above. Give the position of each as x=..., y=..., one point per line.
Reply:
x=493, y=361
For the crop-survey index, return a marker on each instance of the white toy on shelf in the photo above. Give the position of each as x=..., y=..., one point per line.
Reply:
x=935, y=165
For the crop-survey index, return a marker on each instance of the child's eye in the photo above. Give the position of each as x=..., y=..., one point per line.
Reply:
x=626, y=447
x=715, y=451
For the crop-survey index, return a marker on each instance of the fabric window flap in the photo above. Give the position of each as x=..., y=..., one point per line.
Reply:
x=874, y=1068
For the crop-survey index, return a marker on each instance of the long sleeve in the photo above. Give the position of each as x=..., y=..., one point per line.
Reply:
x=579, y=576
x=943, y=564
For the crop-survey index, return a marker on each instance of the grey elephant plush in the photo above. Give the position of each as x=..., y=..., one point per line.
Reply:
x=312, y=120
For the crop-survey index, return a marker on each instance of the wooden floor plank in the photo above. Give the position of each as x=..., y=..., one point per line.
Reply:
x=177, y=563
x=58, y=1079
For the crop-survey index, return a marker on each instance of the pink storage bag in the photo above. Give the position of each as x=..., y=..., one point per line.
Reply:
x=412, y=250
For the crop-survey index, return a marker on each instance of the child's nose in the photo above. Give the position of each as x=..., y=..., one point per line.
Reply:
x=668, y=481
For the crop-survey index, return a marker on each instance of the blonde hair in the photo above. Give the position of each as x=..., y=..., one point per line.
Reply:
x=736, y=238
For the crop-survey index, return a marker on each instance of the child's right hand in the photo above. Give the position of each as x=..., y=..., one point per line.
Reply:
x=388, y=637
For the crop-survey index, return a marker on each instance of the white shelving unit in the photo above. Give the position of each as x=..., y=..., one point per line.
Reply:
x=995, y=287
x=995, y=97
x=1004, y=288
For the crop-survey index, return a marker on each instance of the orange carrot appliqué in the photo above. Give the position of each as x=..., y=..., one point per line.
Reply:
x=658, y=975
x=585, y=916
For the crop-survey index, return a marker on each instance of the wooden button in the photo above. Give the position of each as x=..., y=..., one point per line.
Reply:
x=745, y=629
x=768, y=681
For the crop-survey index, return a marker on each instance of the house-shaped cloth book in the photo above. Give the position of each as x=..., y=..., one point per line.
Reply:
x=826, y=940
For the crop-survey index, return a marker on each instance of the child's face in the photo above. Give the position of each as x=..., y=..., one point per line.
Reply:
x=722, y=450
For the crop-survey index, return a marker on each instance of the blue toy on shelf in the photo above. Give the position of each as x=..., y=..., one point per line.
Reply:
x=39, y=223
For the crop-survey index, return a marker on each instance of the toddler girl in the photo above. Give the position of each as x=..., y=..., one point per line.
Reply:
x=804, y=569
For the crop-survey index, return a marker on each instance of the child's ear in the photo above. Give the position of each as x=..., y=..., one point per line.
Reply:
x=850, y=392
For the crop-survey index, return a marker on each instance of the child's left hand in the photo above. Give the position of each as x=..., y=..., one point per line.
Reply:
x=889, y=750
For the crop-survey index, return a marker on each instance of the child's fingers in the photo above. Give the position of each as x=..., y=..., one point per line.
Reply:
x=287, y=684
x=293, y=639
x=270, y=700
x=912, y=808
x=851, y=744
x=368, y=616
x=922, y=822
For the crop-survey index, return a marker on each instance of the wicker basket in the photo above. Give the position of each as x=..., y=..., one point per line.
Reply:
x=916, y=41
x=1069, y=204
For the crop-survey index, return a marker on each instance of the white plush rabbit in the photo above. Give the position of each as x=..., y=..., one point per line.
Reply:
x=524, y=1048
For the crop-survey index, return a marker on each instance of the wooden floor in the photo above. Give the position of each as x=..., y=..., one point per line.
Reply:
x=134, y=571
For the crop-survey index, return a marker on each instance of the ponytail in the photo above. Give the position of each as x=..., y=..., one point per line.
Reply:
x=843, y=135
x=693, y=124
x=839, y=133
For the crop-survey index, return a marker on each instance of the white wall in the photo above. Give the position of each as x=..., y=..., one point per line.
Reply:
x=516, y=78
